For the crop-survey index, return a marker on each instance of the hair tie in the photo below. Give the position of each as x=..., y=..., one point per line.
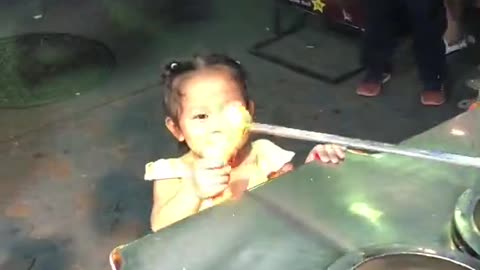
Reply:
x=173, y=65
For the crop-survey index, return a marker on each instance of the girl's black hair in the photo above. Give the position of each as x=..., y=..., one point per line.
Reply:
x=175, y=71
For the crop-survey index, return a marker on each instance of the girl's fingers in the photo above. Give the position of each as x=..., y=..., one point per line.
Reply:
x=223, y=171
x=215, y=190
x=311, y=156
x=331, y=154
x=214, y=177
x=339, y=151
x=323, y=155
x=209, y=164
x=326, y=153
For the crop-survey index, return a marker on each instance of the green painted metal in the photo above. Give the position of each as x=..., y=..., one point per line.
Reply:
x=310, y=218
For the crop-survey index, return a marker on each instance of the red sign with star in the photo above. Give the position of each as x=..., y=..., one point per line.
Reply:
x=317, y=6
x=349, y=13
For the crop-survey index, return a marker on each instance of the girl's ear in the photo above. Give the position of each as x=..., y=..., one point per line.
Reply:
x=251, y=107
x=174, y=129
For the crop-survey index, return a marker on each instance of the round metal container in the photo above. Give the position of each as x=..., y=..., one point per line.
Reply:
x=404, y=258
x=466, y=223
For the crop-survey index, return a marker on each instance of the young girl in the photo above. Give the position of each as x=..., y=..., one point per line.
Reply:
x=195, y=94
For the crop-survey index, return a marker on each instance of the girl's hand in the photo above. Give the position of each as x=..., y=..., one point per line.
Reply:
x=209, y=180
x=326, y=153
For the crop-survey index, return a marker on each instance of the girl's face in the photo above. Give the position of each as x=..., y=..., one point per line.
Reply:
x=205, y=93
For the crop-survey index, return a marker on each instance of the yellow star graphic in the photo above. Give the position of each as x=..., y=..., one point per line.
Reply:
x=318, y=5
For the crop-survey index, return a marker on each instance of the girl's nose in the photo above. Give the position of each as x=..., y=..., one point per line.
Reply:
x=215, y=123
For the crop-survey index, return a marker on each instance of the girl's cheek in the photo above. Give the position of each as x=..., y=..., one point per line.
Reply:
x=196, y=134
x=195, y=129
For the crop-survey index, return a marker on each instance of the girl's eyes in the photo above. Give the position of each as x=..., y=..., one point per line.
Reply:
x=200, y=116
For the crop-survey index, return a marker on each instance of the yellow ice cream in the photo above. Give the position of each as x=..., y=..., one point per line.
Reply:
x=236, y=122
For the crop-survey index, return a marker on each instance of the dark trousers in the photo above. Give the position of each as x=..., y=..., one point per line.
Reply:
x=385, y=21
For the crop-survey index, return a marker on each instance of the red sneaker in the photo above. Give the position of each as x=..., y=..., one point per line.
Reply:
x=433, y=98
x=372, y=89
x=474, y=106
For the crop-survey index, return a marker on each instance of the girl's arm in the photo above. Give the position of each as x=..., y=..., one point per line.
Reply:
x=324, y=153
x=285, y=169
x=173, y=200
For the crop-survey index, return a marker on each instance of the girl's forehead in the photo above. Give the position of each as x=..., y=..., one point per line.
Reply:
x=210, y=86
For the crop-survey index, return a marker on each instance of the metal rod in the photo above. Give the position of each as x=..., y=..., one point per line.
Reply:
x=318, y=137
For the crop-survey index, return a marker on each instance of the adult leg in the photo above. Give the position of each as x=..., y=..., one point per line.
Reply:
x=378, y=44
x=454, y=36
x=428, y=20
x=475, y=82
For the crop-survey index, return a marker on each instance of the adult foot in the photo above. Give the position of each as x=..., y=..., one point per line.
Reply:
x=433, y=97
x=372, y=88
x=455, y=46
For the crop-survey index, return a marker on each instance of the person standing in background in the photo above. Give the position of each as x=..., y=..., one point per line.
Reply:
x=475, y=82
x=427, y=19
x=455, y=38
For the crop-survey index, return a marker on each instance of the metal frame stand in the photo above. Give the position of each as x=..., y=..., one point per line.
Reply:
x=280, y=33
